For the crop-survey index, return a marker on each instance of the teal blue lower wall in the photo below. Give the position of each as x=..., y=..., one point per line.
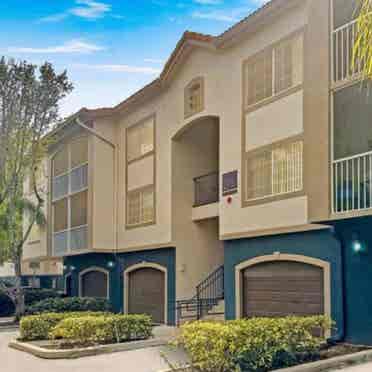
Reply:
x=164, y=257
x=321, y=244
x=357, y=278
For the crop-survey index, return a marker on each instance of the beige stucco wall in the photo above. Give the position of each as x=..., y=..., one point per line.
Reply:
x=102, y=187
x=223, y=98
x=141, y=173
x=274, y=122
x=47, y=267
x=198, y=249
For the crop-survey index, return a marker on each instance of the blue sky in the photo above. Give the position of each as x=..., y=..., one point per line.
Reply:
x=110, y=48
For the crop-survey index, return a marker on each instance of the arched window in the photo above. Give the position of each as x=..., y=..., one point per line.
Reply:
x=94, y=282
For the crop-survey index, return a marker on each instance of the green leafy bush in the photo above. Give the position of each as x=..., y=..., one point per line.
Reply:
x=33, y=295
x=37, y=327
x=69, y=304
x=258, y=344
x=103, y=329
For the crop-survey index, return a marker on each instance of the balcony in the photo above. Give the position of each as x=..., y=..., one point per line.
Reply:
x=344, y=38
x=206, y=189
x=70, y=241
x=206, y=197
x=352, y=186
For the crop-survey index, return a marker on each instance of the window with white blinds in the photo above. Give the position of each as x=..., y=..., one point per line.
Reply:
x=276, y=171
x=140, y=206
x=140, y=139
x=274, y=71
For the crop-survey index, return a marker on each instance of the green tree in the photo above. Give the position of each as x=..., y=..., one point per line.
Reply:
x=363, y=44
x=29, y=103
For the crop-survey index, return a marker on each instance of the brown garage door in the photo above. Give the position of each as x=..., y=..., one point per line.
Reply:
x=146, y=293
x=94, y=284
x=283, y=288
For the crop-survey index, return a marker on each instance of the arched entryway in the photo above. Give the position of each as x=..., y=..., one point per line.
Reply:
x=281, y=285
x=94, y=282
x=145, y=290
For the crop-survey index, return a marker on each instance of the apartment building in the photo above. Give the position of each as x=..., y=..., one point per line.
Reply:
x=239, y=179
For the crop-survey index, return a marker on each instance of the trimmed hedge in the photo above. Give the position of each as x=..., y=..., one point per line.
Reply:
x=69, y=304
x=37, y=327
x=103, y=329
x=33, y=295
x=257, y=344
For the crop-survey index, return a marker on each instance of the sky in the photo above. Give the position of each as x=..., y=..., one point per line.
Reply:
x=110, y=48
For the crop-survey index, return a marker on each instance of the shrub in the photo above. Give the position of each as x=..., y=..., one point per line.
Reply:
x=257, y=344
x=37, y=327
x=69, y=304
x=33, y=295
x=103, y=329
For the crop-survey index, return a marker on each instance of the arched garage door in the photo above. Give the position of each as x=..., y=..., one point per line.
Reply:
x=147, y=293
x=282, y=288
x=94, y=283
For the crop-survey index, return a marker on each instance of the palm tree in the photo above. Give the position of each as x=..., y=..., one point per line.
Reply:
x=363, y=44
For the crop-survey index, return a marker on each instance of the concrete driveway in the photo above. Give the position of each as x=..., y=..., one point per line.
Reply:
x=145, y=360
x=362, y=368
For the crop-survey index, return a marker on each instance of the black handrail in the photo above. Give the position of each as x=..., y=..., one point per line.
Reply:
x=208, y=293
x=206, y=189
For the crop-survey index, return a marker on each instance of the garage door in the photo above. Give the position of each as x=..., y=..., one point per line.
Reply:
x=283, y=288
x=146, y=293
x=94, y=284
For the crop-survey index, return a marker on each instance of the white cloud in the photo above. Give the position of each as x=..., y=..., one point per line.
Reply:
x=214, y=15
x=87, y=9
x=208, y=2
x=90, y=9
x=73, y=46
x=153, y=60
x=120, y=68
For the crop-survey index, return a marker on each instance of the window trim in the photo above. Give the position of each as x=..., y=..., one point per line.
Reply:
x=275, y=197
x=69, y=195
x=140, y=224
x=275, y=96
x=128, y=162
x=131, y=127
x=200, y=80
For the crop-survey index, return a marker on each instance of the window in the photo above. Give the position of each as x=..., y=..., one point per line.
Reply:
x=70, y=197
x=141, y=206
x=194, y=97
x=140, y=139
x=352, y=128
x=275, y=171
x=274, y=71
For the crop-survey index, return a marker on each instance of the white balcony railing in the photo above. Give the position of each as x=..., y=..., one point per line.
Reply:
x=70, y=241
x=344, y=38
x=352, y=187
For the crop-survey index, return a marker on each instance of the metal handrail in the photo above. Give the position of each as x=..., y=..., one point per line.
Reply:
x=206, y=189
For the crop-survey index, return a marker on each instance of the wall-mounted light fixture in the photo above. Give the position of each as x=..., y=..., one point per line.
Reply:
x=357, y=245
x=111, y=264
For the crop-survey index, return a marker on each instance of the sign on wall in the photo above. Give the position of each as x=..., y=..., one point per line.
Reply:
x=230, y=183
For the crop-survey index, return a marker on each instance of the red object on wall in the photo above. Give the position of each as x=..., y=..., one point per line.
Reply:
x=229, y=200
